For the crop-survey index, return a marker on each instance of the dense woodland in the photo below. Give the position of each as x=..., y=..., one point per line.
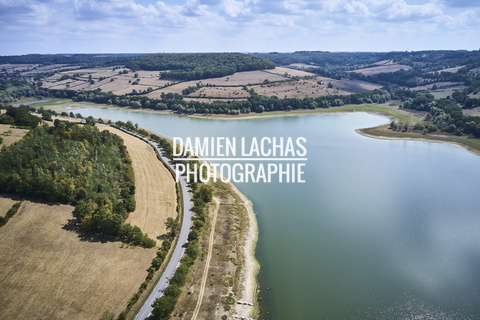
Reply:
x=194, y=66
x=78, y=165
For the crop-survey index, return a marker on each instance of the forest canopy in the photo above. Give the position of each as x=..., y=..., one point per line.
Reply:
x=194, y=66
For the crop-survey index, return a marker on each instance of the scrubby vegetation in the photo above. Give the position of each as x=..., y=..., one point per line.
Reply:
x=10, y=213
x=20, y=117
x=442, y=115
x=79, y=165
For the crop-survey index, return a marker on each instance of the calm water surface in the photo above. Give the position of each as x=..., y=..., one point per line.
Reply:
x=380, y=230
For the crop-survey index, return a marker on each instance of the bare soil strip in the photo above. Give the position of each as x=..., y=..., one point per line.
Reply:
x=207, y=261
x=10, y=134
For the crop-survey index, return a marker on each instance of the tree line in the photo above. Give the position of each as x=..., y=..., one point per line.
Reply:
x=20, y=117
x=255, y=103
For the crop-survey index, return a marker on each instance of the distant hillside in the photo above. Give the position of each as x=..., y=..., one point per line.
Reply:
x=69, y=59
x=195, y=66
x=433, y=59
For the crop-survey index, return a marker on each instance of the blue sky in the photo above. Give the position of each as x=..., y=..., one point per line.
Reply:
x=132, y=26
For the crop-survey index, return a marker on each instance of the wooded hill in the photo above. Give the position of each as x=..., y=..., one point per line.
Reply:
x=195, y=66
x=78, y=165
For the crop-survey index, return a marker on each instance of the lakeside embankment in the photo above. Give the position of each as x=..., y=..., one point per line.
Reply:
x=252, y=266
x=231, y=246
x=472, y=145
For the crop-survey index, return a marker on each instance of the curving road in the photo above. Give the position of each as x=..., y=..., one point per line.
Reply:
x=179, y=250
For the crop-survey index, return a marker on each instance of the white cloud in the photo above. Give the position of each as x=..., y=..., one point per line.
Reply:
x=244, y=25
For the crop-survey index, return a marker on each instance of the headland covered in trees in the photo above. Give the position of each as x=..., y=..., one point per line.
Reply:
x=73, y=164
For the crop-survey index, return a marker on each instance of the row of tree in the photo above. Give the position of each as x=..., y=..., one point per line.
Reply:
x=255, y=103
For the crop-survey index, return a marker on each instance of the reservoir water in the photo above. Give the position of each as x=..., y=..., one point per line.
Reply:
x=379, y=230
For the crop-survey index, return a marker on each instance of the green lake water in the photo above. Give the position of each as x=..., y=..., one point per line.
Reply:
x=380, y=230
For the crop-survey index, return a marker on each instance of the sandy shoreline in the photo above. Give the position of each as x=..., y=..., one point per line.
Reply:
x=251, y=266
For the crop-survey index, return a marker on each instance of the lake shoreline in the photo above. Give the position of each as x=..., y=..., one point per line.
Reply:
x=438, y=139
x=280, y=114
x=251, y=266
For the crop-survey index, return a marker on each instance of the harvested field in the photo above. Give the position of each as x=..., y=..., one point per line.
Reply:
x=46, y=262
x=17, y=67
x=113, y=81
x=476, y=70
x=445, y=92
x=210, y=100
x=382, y=67
x=313, y=88
x=355, y=86
x=452, y=70
x=290, y=72
x=50, y=272
x=176, y=88
x=223, y=92
x=244, y=78
x=265, y=82
x=439, y=85
x=48, y=68
x=10, y=134
x=5, y=204
x=302, y=65
x=472, y=112
x=155, y=188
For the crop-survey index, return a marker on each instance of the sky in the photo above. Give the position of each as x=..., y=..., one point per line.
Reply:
x=146, y=26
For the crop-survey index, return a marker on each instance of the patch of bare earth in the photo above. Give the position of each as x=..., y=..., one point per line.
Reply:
x=289, y=72
x=382, y=67
x=11, y=134
x=5, y=204
x=50, y=272
x=475, y=112
x=452, y=70
x=439, y=85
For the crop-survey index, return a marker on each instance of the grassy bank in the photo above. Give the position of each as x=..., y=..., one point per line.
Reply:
x=383, y=132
